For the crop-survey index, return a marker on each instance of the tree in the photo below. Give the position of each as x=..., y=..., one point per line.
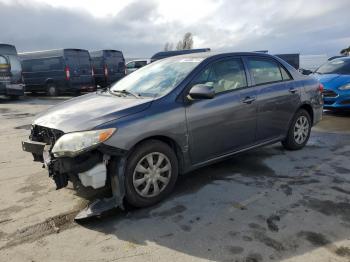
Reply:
x=185, y=43
x=166, y=46
x=345, y=51
x=179, y=45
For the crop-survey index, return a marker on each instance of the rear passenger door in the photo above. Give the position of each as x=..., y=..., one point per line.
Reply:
x=227, y=122
x=277, y=97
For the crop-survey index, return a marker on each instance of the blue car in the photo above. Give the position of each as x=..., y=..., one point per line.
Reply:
x=335, y=77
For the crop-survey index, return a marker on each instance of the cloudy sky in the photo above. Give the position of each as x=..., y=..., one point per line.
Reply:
x=141, y=27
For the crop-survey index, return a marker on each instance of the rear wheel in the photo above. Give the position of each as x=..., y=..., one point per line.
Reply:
x=299, y=131
x=13, y=97
x=150, y=174
x=51, y=90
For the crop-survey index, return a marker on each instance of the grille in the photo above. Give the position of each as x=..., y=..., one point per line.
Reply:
x=328, y=102
x=329, y=93
x=45, y=134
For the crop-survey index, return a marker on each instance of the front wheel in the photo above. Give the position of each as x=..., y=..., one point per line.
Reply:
x=13, y=97
x=151, y=173
x=299, y=131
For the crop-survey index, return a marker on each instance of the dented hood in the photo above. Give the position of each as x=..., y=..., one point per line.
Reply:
x=88, y=111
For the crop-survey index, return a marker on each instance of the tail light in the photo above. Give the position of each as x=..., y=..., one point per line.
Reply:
x=67, y=73
x=106, y=71
x=320, y=88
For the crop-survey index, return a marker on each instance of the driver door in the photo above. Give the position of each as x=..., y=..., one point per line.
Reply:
x=227, y=122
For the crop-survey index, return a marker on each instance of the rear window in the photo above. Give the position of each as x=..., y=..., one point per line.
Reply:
x=3, y=61
x=84, y=61
x=264, y=71
x=113, y=54
x=336, y=66
x=97, y=61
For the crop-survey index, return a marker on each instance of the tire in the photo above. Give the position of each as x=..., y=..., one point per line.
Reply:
x=133, y=186
x=298, y=137
x=13, y=97
x=51, y=90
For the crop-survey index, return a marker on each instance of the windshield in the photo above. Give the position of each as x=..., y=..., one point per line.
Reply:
x=337, y=66
x=158, y=78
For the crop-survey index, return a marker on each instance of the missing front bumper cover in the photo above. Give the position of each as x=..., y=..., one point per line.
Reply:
x=62, y=169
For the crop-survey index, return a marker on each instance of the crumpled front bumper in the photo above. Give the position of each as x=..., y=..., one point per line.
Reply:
x=66, y=169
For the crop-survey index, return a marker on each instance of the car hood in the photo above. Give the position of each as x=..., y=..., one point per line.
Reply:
x=88, y=111
x=332, y=80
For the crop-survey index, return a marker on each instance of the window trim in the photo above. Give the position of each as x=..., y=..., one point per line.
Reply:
x=189, y=85
x=246, y=58
x=288, y=73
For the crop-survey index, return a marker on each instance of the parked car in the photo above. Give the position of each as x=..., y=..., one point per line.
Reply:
x=292, y=59
x=173, y=116
x=335, y=57
x=165, y=54
x=11, y=83
x=335, y=77
x=108, y=66
x=133, y=65
x=58, y=71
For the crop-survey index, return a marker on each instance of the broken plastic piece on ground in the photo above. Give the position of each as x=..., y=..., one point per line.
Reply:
x=98, y=207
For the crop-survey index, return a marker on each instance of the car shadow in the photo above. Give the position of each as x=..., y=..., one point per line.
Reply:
x=337, y=113
x=265, y=204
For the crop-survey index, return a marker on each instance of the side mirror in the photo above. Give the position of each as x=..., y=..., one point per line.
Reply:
x=305, y=71
x=201, y=91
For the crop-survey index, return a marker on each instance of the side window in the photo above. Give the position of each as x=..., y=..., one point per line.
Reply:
x=3, y=60
x=130, y=65
x=285, y=74
x=223, y=75
x=264, y=71
x=54, y=64
x=139, y=64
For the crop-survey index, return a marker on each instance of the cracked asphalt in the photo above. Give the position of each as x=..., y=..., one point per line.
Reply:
x=264, y=205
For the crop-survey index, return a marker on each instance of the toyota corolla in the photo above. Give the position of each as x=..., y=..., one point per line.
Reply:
x=171, y=117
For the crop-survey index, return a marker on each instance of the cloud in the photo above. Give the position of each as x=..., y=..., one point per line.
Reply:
x=142, y=27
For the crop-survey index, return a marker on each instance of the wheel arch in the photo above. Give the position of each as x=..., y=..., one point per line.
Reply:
x=308, y=109
x=171, y=143
x=49, y=81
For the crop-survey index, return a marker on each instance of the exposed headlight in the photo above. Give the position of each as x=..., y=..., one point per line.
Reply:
x=345, y=87
x=72, y=144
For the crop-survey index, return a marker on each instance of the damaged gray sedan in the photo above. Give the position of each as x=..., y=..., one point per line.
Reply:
x=171, y=117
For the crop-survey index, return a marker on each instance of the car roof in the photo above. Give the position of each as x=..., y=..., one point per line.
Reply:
x=341, y=58
x=48, y=53
x=209, y=54
x=165, y=54
x=137, y=60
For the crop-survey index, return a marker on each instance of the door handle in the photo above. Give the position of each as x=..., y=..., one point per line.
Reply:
x=248, y=100
x=293, y=90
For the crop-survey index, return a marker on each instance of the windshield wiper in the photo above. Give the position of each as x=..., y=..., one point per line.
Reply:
x=126, y=92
